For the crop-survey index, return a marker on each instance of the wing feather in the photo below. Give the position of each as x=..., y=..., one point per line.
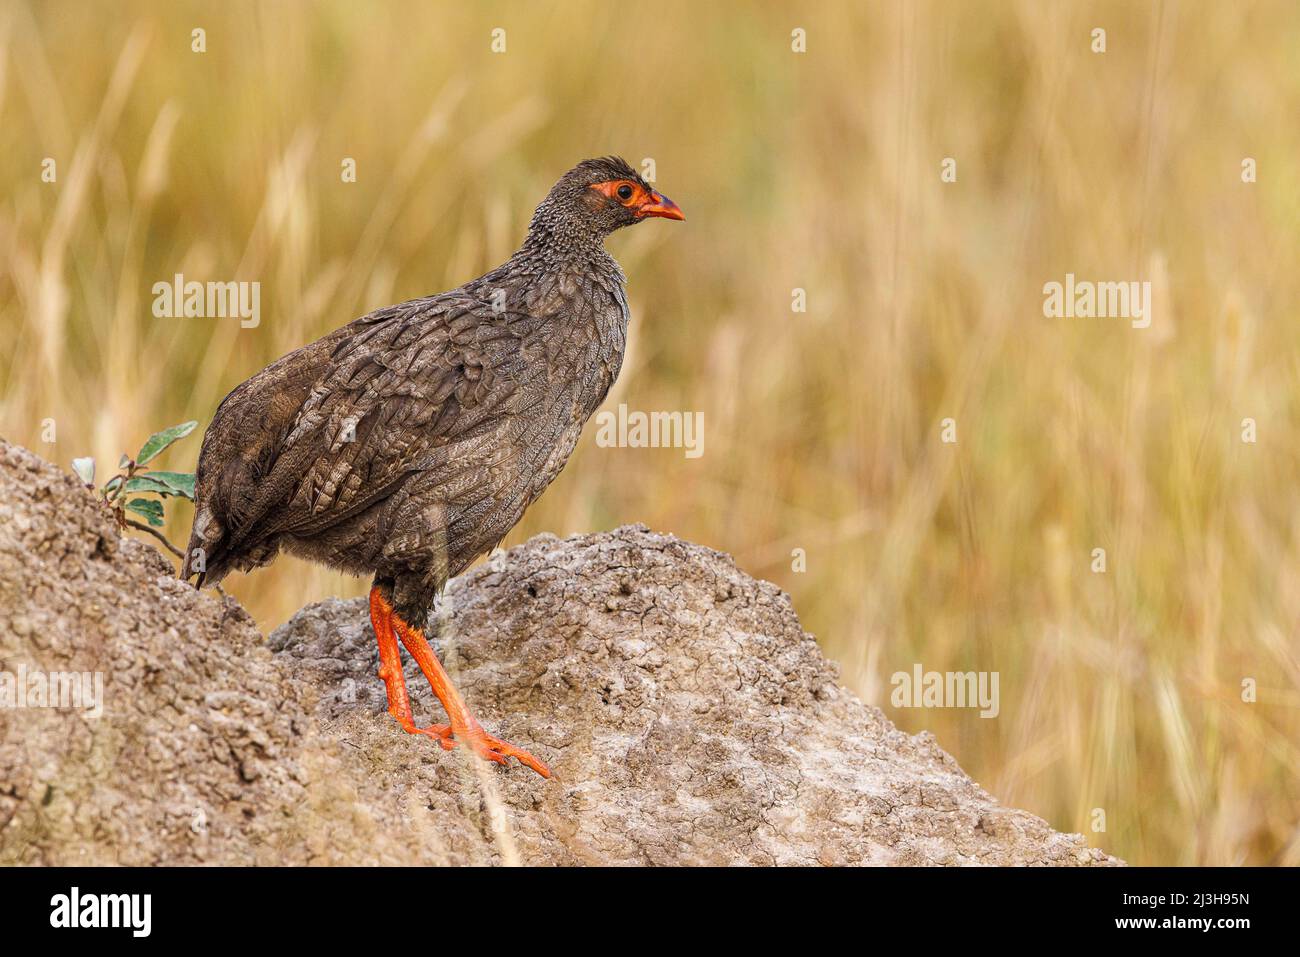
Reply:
x=332, y=428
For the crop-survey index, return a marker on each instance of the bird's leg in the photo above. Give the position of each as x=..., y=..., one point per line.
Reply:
x=464, y=726
x=390, y=670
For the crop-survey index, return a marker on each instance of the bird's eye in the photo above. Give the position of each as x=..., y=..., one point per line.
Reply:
x=625, y=192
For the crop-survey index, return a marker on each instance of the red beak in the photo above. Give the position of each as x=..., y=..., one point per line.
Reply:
x=660, y=205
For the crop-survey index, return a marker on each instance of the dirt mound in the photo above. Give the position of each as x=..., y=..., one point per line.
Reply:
x=687, y=716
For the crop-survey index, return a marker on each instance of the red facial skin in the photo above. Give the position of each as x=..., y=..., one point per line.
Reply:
x=642, y=202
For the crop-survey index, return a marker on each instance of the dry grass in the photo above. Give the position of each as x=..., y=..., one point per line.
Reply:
x=1120, y=691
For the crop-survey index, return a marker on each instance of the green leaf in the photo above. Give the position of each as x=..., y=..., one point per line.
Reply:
x=112, y=485
x=181, y=483
x=160, y=440
x=149, y=508
x=147, y=483
x=124, y=461
x=85, y=469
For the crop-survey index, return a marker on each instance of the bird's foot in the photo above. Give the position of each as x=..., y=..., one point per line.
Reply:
x=439, y=732
x=476, y=739
x=493, y=749
x=464, y=728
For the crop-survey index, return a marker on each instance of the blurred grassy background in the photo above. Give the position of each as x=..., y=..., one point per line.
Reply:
x=1120, y=691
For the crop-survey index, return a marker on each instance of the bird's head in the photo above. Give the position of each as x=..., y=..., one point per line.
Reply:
x=599, y=196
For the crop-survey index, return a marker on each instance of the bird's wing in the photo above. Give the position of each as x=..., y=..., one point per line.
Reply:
x=429, y=385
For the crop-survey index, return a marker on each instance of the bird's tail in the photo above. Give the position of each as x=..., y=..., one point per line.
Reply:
x=205, y=555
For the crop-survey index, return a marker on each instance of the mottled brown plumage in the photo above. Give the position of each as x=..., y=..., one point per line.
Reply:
x=410, y=441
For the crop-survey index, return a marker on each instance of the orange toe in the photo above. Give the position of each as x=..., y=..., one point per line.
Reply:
x=494, y=749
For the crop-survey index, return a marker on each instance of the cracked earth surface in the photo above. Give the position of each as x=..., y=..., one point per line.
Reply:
x=687, y=716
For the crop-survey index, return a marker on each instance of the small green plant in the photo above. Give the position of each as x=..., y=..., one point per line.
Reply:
x=134, y=479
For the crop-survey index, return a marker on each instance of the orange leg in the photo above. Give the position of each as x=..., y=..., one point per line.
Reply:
x=390, y=670
x=464, y=726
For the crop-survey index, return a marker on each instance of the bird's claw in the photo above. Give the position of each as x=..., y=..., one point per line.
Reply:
x=493, y=749
x=440, y=733
x=479, y=741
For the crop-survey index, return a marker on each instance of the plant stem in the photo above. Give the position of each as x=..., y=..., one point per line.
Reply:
x=158, y=535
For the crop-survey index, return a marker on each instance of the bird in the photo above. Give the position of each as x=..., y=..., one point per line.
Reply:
x=409, y=442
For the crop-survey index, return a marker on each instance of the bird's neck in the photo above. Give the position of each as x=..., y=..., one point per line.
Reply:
x=555, y=246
